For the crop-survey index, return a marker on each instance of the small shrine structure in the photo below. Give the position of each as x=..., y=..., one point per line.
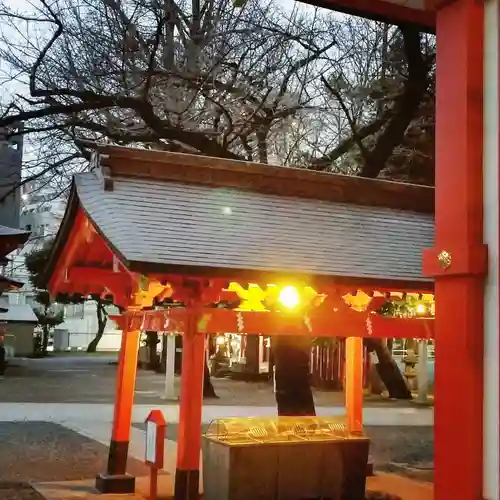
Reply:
x=172, y=239
x=10, y=240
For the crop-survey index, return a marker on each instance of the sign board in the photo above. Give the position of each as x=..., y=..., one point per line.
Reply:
x=155, y=439
x=151, y=436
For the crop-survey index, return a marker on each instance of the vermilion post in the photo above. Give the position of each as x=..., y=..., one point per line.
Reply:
x=115, y=480
x=155, y=450
x=354, y=383
x=458, y=260
x=187, y=474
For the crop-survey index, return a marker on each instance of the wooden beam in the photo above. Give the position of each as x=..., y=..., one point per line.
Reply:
x=345, y=323
x=102, y=275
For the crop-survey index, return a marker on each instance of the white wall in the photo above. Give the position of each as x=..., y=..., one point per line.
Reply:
x=491, y=436
x=81, y=323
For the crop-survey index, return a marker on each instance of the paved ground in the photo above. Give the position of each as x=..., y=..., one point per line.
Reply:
x=92, y=379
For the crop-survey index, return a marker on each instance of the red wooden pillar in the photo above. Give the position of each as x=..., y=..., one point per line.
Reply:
x=187, y=474
x=354, y=383
x=116, y=479
x=458, y=260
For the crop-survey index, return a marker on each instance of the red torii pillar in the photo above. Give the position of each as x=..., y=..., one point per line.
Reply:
x=459, y=259
x=187, y=474
x=116, y=479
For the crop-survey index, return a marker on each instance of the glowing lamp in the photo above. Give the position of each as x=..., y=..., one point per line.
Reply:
x=220, y=340
x=289, y=297
x=421, y=309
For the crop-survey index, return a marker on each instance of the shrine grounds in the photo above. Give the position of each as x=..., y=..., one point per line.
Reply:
x=91, y=379
x=55, y=422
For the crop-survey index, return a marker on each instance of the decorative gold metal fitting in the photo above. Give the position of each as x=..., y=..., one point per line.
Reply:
x=444, y=259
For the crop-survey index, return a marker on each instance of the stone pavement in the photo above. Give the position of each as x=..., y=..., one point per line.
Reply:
x=405, y=488
x=92, y=379
x=94, y=413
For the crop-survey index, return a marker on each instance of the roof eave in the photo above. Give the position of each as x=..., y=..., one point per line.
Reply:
x=147, y=268
x=62, y=234
x=382, y=11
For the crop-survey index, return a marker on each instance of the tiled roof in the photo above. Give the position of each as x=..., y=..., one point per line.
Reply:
x=22, y=313
x=166, y=224
x=10, y=239
x=9, y=231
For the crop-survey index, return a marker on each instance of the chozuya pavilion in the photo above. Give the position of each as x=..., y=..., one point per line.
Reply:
x=151, y=228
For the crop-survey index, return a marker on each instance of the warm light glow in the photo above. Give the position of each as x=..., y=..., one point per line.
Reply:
x=421, y=309
x=289, y=297
x=220, y=340
x=359, y=300
x=257, y=297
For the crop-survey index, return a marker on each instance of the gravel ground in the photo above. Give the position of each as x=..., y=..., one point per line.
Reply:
x=18, y=491
x=43, y=451
x=404, y=450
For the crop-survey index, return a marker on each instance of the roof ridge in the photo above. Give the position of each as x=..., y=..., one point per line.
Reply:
x=163, y=166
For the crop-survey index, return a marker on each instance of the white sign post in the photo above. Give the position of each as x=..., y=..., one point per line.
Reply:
x=422, y=372
x=169, y=371
x=151, y=435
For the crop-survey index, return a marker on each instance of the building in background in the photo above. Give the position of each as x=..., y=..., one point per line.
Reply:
x=17, y=322
x=11, y=160
x=41, y=212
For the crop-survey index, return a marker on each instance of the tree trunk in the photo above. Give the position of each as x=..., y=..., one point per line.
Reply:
x=388, y=370
x=208, y=388
x=102, y=319
x=45, y=339
x=153, y=358
x=293, y=389
x=252, y=355
x=270, y=361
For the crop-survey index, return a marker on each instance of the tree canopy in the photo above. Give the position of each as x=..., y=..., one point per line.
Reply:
x=303, y=87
